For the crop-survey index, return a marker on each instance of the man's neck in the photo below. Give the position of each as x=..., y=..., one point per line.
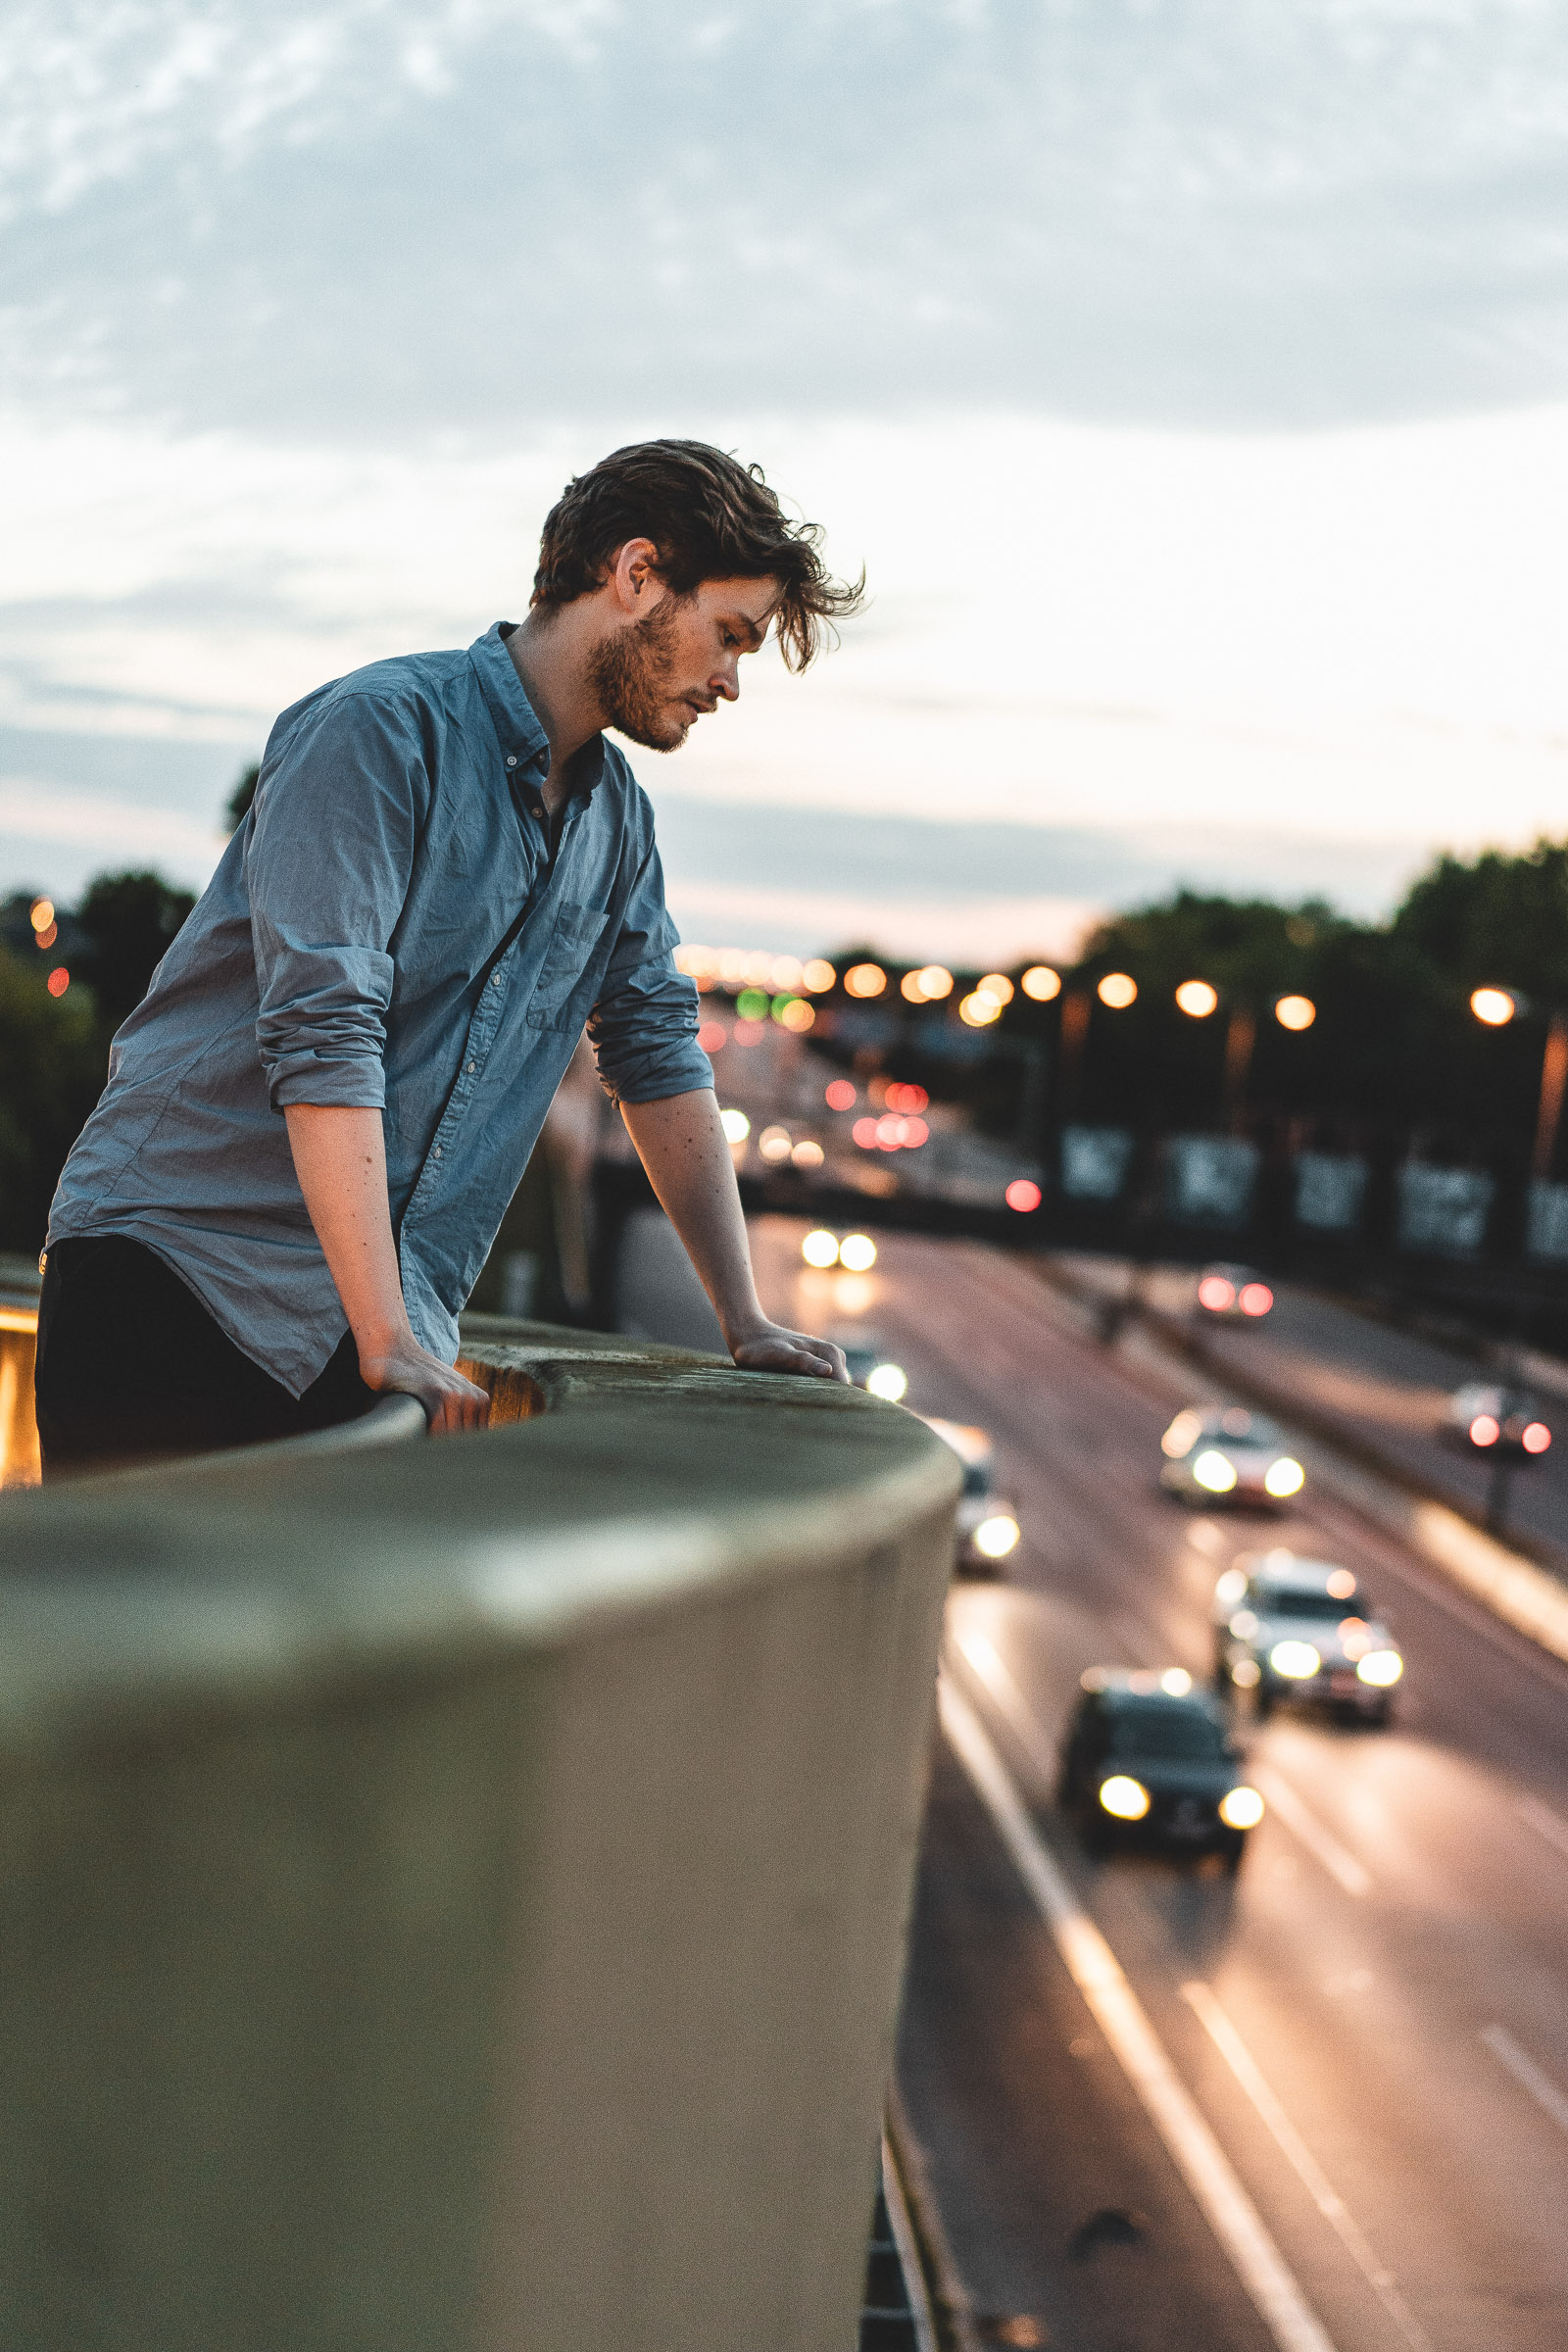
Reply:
x=552, y=668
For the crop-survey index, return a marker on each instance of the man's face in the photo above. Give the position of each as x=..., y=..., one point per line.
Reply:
x=655, y=677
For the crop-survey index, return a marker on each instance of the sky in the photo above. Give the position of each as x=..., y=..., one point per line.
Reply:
x=1190, y=376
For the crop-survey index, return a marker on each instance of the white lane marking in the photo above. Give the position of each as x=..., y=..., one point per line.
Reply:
x=1544, y=1821
x=986, y=1660
x=1201, y=1999
x=1119, y=2014
x=925, y=2336
x=1525, y=2072
x=1321, y=1843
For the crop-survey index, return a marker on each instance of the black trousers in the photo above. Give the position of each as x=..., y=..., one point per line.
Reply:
x=131, y=1367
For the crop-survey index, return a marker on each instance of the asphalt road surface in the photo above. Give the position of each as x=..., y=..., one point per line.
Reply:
x=1351, y=2064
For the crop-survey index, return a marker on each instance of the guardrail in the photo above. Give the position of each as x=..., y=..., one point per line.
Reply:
x=453, y=1894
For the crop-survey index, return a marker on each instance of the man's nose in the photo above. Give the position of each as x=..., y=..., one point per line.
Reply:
x=726, y=682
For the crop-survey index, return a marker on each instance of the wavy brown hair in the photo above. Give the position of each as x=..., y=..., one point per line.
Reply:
x=711, y=518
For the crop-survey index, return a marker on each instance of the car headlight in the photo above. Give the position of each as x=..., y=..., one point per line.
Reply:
x=996, y=1536
x=1298, y=1661
x=1380, y=1668
x=1285, y=1477
x=886, y=1381
x=1125, y=1797
x=1242, y=1809
x=1213, y=1472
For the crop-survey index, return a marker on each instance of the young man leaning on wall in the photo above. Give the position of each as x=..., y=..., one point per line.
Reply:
x=319, y=1112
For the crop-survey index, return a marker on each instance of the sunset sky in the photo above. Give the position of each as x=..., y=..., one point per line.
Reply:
x=1192, y=382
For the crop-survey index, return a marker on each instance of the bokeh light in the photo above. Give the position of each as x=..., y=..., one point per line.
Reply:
x=41, y=914
x=1196, y=999
x=979, y=1012
x=1494, y=1005
x=1296, y=1013
x=774, y=1143
x=817, y=974
x=857, y=1252
x=1022, y=1193
x=807, y=1154
x=1117, y=990
x=866, y=980
x=997, y=986
x=59, y=981
x=820, y=1248
x=736, y=1125
x=1042, y=983
x=840, y=1095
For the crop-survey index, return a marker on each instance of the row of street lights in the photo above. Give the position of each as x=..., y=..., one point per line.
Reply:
x=1199, y=1000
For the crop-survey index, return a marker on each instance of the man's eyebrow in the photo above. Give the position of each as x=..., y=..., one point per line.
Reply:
x=756, y=631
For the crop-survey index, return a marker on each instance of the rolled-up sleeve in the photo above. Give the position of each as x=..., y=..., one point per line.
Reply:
x=328, y=863
x=643, y=1028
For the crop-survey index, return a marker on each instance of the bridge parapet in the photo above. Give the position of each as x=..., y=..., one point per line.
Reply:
x=454, y=1894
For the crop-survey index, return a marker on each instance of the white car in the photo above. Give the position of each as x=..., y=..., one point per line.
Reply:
x=1487, y=1420
x=1292, y=1629
x=1224, y=1454
x=987, y=1526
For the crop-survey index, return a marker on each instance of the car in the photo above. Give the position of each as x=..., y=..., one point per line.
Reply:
x=987, y=1526
x=1225, y=1453
x=870, y=1366
x=1287, y=1628
x=1487, y=1419
x=1149, y=1759
x=1233, y=1295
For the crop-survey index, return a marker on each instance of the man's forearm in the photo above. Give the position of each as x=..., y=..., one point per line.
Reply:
x=340, y=1161
x=682, y=1147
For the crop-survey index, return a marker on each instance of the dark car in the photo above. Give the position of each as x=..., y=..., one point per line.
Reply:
x=1149, y=1759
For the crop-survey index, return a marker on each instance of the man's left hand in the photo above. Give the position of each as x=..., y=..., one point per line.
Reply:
x=774, y=1348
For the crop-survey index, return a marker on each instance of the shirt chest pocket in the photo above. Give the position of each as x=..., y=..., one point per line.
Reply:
x=563, y=992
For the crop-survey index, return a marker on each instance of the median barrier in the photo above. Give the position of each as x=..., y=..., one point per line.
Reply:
x=453, y=1894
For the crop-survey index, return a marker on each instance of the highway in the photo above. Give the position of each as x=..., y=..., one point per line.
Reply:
x=1335, y=2092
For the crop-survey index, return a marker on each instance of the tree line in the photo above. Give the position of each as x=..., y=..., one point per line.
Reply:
x=1393, y=1060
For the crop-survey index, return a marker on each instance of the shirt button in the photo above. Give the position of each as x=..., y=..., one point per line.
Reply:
x=438, y=1152
x=495, y=979
x=471, y=1067
x=511, y=758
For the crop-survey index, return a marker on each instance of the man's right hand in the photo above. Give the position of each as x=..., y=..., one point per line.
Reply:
x=404, y=1368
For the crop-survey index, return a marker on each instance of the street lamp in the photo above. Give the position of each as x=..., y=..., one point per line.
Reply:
x=1494, y=1008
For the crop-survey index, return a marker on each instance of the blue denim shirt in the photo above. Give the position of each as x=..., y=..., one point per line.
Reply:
x=340, y=954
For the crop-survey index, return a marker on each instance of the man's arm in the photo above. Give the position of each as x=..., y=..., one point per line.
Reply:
x=340, y=1161
x=681, y=1144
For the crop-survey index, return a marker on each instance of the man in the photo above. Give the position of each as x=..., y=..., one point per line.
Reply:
x=316, y=1116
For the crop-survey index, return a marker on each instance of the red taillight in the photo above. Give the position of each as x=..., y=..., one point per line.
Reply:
x=1536, y=1437
x=1484, y=1430
x=864, y=1134
x=1216, y=1294
x=1255, y=1299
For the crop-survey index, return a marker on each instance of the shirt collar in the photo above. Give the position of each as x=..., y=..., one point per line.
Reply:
x=518, y=729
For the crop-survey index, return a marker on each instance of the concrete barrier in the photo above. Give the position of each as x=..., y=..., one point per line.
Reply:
x=453, y=1896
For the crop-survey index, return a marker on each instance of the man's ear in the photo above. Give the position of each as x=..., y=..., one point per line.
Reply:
x=633, y=581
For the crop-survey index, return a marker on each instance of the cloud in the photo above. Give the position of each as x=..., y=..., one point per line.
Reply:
x=380, y=218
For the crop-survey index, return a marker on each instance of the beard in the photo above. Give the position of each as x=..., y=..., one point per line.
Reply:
x=632, y=674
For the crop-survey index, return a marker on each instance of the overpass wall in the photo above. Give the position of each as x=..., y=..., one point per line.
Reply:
x=454, y=1894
